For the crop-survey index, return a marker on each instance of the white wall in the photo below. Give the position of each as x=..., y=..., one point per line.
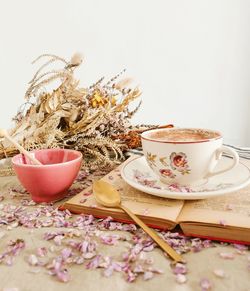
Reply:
x=190, y=57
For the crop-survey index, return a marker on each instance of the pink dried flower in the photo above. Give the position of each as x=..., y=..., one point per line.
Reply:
x=78, y=260
x=205, y=284
x=131, y=276
x=66, y=253
x=148, y=275
x=57, y=269
x=240, y=247
x=63, y=275
x=138, y=269
x=33, y=260
x=222, y=222
x=149, y=248
x=227, y=256
x=94, y=263
x=181, y=279
x=108, y=271
x=9, y=261
x=58, y=239
x=110, y=239
x=13, y=249
x=41, y=252
x=145, y=211
x=219, y=273
x=180, y=269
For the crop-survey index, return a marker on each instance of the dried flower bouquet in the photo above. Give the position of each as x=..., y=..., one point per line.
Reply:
x=90, y=120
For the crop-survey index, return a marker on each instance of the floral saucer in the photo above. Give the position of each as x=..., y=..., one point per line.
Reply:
x=139, y=175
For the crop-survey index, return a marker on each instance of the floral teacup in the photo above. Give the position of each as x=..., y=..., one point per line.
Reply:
x=185, y=155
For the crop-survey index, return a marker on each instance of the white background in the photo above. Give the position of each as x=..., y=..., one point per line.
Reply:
x=190, y=57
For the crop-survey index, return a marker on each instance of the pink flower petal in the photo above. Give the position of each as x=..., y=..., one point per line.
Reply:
x=181, y=279
x=227, y=256
x=223, y=222
x=63, y=276
x=219, y=273
x=148, y=275
x=180, y=269
x=205, y=284
x=33, y=260
x=41, y=252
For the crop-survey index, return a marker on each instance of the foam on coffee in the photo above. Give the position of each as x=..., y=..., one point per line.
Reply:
x=183, y=135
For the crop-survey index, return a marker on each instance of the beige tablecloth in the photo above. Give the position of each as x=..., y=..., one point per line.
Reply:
x=200, y=264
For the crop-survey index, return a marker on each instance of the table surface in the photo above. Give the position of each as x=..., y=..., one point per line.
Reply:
x=23, y=271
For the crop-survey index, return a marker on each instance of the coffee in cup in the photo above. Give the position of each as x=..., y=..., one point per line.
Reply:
x=187, y=156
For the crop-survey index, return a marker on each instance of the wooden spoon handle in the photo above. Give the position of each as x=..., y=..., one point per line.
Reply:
x=23, y=150
x=161, y=243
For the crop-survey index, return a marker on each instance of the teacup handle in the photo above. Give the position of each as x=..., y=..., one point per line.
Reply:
x=218, y=153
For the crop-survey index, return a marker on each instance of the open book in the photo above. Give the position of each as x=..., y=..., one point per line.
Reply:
x=225, y=218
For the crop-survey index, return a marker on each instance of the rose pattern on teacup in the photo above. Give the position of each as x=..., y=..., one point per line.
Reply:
x=177, y=162
x=167, y=173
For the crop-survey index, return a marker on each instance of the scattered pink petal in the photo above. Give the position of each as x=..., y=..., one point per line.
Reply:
x=148, y=275
x=110, y=239
x=240, y=247
x=63, y=275
x=180, y=269
x=9, y=261
x=66, y=253
x=131, y=276
x=83, y=201
x=181, y=279
x=33, y=260
x=58, y=239
x=205, y=284
x=227, y=256
x=145, y=211
x=219, y=273
x=94, y=263
x=222, y=222
x=41, y=252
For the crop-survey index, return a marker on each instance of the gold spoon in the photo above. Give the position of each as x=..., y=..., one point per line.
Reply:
x=108, y=196
x=22, y=150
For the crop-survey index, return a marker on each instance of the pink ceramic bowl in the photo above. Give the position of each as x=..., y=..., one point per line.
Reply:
x=51, y=180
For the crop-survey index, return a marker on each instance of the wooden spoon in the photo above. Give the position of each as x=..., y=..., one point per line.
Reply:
x=108, y=196
x=19, y=147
